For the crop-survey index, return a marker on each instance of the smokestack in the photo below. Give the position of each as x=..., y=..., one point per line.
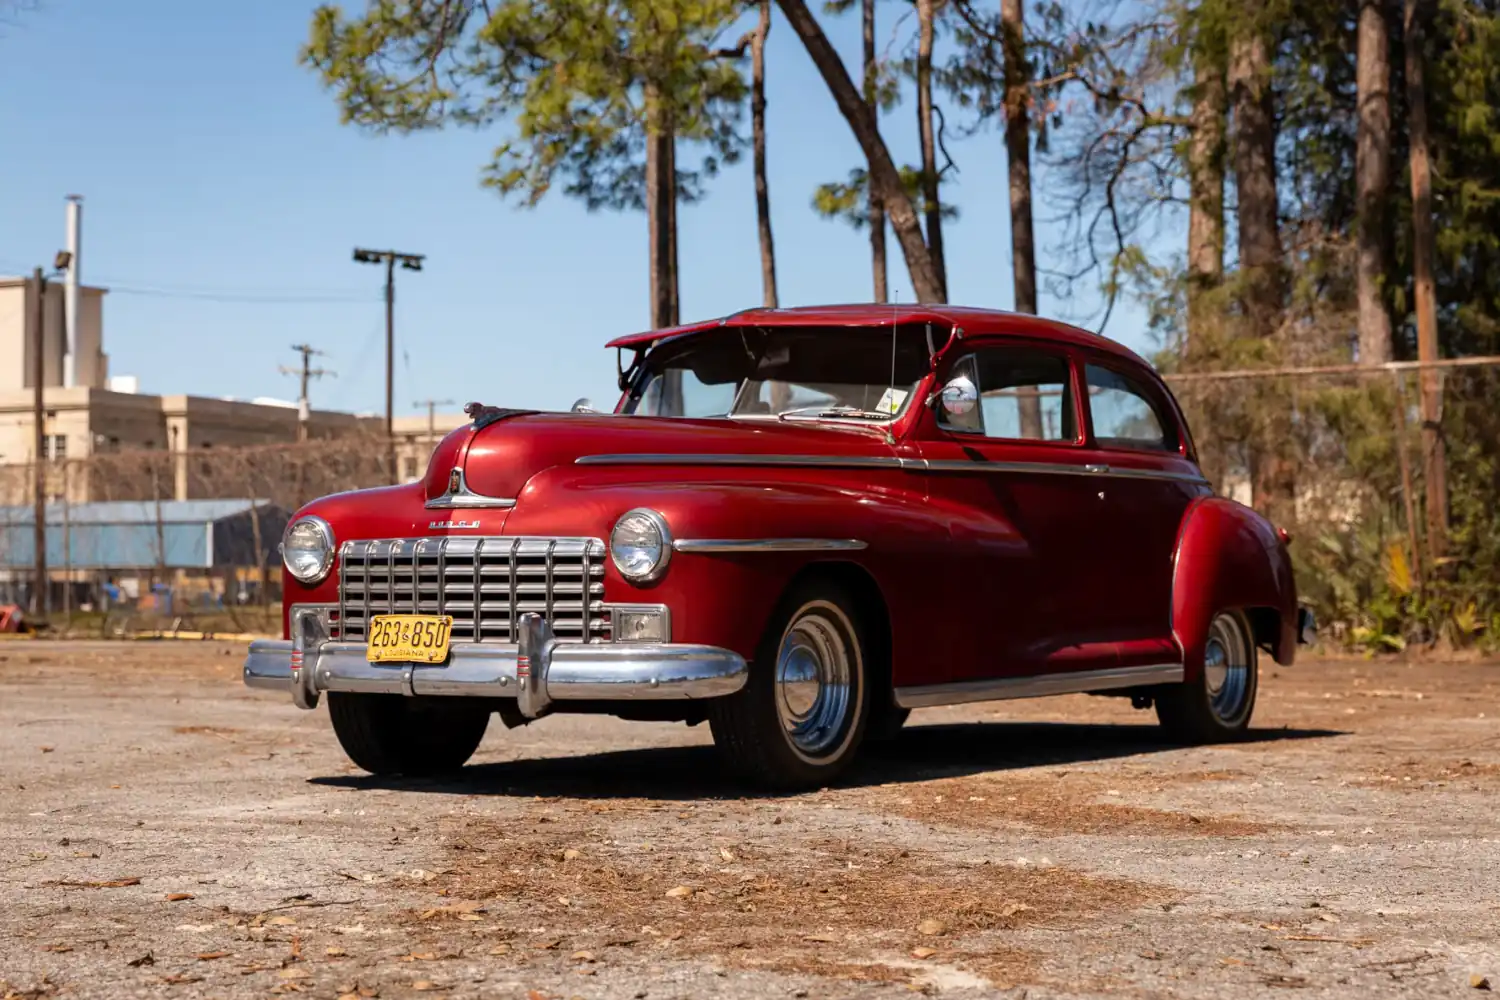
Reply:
x=70, y=308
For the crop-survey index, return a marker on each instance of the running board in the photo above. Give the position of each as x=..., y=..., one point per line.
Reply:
x=1041, y=685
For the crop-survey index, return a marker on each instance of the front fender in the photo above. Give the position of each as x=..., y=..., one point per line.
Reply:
x=727, y=598
x=1227, y=557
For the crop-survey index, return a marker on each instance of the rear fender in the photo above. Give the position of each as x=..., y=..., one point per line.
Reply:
x=1228, y=556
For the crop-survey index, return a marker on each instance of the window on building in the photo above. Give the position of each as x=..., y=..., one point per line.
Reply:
x=411, y=468
x=55, y=446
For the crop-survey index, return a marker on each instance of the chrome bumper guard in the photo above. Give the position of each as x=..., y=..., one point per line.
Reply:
x=535, y=671
x=1307, y=627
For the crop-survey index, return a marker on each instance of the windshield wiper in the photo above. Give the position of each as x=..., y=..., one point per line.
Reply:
x=835, y=411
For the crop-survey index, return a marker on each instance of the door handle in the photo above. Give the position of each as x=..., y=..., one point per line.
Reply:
x=1096, y=469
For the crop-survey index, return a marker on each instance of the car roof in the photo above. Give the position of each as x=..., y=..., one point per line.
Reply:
x=874, y=316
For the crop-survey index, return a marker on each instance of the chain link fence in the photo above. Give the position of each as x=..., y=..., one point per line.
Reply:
x=1338, y=455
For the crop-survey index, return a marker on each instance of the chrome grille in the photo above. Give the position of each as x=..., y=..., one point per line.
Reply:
x=485, y=583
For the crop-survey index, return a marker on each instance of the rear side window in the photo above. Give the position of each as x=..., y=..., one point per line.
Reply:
x=1024, y=395
x=1124, y=414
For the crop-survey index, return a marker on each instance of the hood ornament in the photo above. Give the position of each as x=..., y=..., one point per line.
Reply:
x=483, y=415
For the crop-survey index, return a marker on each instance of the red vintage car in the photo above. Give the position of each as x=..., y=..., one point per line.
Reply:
x=798, y=525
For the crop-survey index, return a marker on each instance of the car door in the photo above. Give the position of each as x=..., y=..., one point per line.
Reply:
x=1011, y=478
x=1148, y=478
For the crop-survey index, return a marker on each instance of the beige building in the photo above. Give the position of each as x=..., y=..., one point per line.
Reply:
x=94, y=421
x=415, y=439
x=18, y=335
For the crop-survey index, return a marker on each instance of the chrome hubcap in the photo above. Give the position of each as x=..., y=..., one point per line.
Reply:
x=814, y=680
x=1227, y=663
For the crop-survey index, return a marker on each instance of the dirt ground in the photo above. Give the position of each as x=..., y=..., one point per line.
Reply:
x=167, y=832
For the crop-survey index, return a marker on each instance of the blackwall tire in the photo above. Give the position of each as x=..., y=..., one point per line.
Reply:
x=800, y=718
x=1216, y=706
x=388, y=734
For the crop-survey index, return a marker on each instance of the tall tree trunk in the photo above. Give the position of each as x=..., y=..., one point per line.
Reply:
x=1018, y=157
x=933, y=207
x=673, y=275
x=874, y=209
x=758, y=130
x=1262, y=282
x=660, y=192
x=882, y=169
x=1018, y=153
x=1255, y=179
x=1373, y=173
x=1205, y=198
x=1424, y=252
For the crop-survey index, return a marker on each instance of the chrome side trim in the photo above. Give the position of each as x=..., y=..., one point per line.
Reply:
x=459, y=496
x=792, y=461
x=1061, y=469
x=1038, y=686
x=891, y=462
x=729, y=545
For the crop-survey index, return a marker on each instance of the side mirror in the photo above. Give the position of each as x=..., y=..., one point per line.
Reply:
x=959, y=396
x=583, y=405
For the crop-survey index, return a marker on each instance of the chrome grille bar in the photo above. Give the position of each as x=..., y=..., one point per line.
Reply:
x=485, y=583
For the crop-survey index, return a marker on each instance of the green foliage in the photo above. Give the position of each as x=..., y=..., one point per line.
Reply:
x=847, y=201
x=570, y=78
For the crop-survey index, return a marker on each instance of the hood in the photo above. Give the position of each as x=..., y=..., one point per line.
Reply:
x=499, y=458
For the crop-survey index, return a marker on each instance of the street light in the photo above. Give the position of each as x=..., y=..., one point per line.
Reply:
x=41, y=603
x=408, y=262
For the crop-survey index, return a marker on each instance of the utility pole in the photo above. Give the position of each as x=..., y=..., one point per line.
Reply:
x=305, y=373
x=410, y=262
x=40, y=598
x=432, y=405
x=39, y=589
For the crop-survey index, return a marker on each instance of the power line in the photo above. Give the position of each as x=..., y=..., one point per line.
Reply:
x=241, y=298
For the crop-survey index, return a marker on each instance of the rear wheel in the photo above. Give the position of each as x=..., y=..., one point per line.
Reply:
x=799, y=719
x=394, y=734
x=1217, y=705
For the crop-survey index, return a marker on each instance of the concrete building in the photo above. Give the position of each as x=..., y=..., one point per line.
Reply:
x=415, y=439
x=18, y=335
x=104, y=415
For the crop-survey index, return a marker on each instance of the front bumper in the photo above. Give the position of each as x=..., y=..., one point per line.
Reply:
x=536, y=671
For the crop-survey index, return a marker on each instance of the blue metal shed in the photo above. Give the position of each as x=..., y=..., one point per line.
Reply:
x=121, y=535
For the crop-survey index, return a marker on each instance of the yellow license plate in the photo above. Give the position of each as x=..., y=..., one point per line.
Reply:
x=409, y=638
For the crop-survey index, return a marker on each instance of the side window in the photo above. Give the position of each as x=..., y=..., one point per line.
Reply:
x=1024, y=394
x=1123, y=413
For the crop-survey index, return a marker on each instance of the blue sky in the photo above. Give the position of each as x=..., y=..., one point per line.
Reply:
x=214, y=168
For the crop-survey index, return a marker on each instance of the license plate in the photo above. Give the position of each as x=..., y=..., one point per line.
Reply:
x=409, y=638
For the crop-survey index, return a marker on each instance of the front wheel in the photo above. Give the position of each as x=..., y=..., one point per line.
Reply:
x=799, y=719
x=1216, y=706
x=394, y=734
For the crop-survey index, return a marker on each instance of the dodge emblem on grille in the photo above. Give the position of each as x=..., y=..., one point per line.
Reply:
x=434, y=525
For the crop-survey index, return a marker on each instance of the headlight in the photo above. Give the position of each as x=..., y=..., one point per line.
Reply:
x=641, y=545
x=307, y=549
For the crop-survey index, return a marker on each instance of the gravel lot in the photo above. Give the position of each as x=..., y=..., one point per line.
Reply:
x=167, y=832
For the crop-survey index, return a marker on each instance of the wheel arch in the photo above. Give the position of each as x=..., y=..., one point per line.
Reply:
x=1229, y=557
x=875, y=615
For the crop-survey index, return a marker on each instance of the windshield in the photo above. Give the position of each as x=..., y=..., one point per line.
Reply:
x=817, y=374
